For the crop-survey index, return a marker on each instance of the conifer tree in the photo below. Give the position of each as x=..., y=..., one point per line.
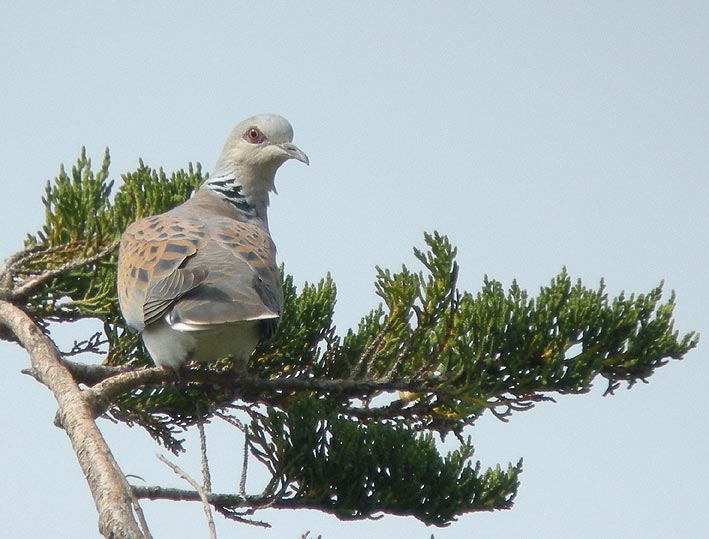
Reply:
x=345, y=424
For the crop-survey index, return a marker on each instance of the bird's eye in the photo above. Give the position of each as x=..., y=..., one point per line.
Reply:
x=254, y=136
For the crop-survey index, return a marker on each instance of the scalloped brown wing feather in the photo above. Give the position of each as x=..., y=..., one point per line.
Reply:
x=201, y=272
x=150, y=257
x=243, y=282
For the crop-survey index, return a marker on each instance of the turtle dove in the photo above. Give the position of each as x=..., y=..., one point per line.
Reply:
x=200, y=282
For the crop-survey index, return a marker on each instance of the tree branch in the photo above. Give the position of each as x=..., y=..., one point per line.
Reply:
x=201, y=492
x=110, y=490
x=180, y=495
x=117, y=380
x=103, y=393
x=9, y=265
x=30, y=285
x=236, y=501
x=88, y=374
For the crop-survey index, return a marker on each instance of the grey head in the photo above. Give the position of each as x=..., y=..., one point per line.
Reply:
x=256, y=148
x=245, y=172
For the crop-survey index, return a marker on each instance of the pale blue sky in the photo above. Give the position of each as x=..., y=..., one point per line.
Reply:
x=536, y=135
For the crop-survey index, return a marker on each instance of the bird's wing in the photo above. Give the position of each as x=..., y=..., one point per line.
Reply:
x=201, y=273
x=244, y=282
x=151, y=271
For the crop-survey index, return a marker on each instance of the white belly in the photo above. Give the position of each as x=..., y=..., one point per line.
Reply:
x=172, y=348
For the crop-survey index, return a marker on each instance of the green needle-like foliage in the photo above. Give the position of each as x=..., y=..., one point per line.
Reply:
x=353, y=470
x=345, y=423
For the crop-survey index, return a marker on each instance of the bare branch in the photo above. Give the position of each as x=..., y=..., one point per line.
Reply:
x=20, y=257
x=245, y=463
x=181, y=495
x=101, y=395
x=91, y=345
x=226, y=502
x=36, y=251
x=90, y=375
x=206, y=476
x=248, y=388
x=233, y=421
x=30, y=285
x=200, y=491
x=232, y=506
x=140, y=516
x=110, y=489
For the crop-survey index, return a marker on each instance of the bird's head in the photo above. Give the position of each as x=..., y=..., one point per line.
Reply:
x=256, y=148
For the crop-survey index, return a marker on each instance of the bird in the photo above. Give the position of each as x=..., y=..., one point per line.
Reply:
x=200, y=282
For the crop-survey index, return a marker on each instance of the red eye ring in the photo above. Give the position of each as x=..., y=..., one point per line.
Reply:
x=254, y=135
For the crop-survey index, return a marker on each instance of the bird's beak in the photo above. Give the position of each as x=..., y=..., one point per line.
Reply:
x=293, y=152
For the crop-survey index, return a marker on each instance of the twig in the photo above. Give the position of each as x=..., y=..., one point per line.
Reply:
x=400, y=357
x=332, y=345
x=7, y=270
x=369, y=355
x=6, y=274
x=102, y=394
x=232, y=502
x=267, y=499
x=30, y=284
x=241, y=517
x=206, y=476
x=90, y=345
x=181, y=495
x=37, y=251
x=453, y=305
x=200, y=491
x=251, y=388
x=245, y=463
x=233, y=421
x=89, y=375
x=111, y=492
x=372, y=348
x=138, y=510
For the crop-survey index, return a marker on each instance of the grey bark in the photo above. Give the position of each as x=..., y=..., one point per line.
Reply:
x=116, y=505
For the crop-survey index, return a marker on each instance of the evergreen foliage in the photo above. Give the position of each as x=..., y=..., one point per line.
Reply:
x=345, y=424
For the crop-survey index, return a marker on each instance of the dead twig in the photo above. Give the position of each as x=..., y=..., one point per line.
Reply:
x=206, y=475
x=245, y=463
x=200, y=491
x=113, y=496
x=28, y=286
